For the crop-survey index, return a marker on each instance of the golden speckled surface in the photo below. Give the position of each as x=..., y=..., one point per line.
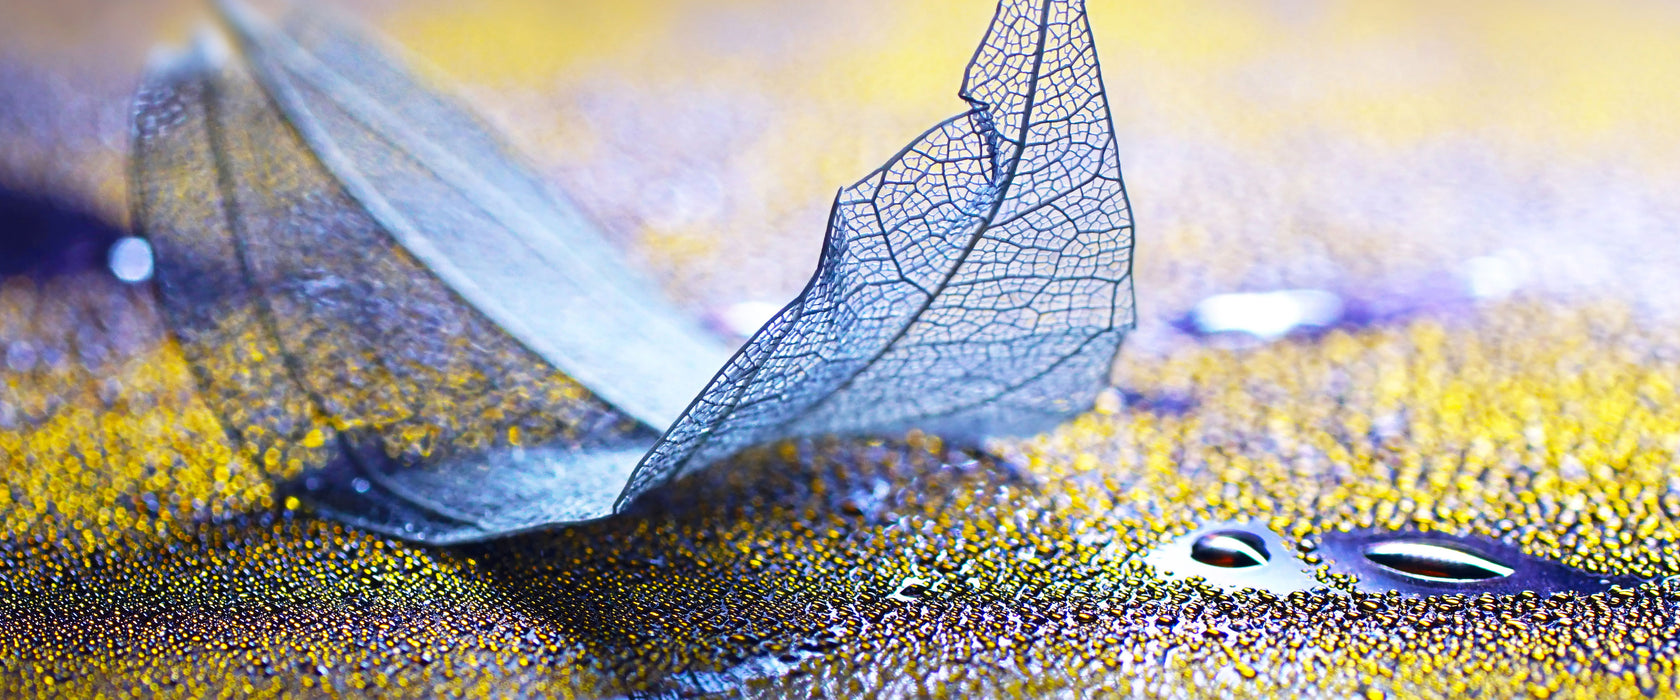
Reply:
x=1369, y=148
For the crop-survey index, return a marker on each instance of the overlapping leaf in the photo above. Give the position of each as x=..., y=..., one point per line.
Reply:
x=323, y=343
x=388, y=311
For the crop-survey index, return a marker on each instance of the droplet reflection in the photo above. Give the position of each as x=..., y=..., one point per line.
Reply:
x=1435, y=562
x=1233, y=556
x=1230, y=549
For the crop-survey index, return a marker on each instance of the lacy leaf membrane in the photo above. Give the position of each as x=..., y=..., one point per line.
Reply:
x=393, y=315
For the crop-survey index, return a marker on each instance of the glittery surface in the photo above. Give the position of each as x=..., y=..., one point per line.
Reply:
x=1370, y=149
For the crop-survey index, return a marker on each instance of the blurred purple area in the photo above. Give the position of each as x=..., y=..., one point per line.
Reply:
x=43, y=235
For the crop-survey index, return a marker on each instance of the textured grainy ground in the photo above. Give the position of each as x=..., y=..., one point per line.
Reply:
x=1372, y=149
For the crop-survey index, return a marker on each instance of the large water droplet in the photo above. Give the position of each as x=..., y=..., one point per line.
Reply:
x=1435, y=562
x=1230, y=549
x=1421, y=563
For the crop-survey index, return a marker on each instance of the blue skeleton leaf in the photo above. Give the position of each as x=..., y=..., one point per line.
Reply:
x=387, y=310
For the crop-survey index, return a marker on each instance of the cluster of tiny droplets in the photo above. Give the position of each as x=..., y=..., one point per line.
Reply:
x=145, y=556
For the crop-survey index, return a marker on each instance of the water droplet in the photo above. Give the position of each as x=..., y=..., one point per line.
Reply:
x=910, y=589
x=1420, y=563
x=1435, y=562
x=1267, y=315
x=1230, y=549
x=1234, y=555
x=1495, y=276
x=360, y=485
x=130, y=259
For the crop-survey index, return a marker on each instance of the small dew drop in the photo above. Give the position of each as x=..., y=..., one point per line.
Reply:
x=910, y=589
x=745, y=318
x=360, y=485
x=130, y=259
x=1230, y=549
x=1495, y=276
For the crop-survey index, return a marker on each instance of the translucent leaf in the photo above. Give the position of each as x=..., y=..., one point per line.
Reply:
x=340, y=361
x=391, y=314
x=451, y=196
x=979, y=283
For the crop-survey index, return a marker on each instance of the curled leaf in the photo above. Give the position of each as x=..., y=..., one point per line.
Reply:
x=390, y=312
x=978, y=283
